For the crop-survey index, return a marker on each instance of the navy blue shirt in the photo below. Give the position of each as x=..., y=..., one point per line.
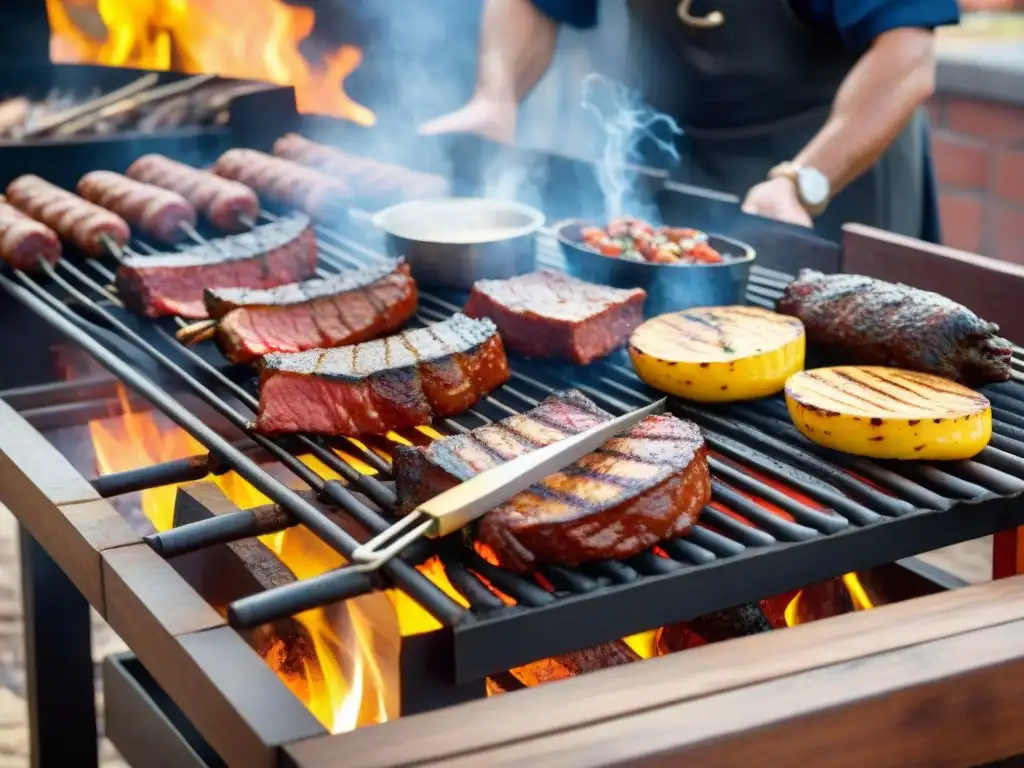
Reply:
x=855, y=22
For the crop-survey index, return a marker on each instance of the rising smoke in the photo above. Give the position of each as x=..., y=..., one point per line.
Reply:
x=627, y=123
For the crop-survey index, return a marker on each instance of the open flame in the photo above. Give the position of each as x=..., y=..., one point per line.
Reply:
x=245, y=39
x=826, y=599
x=340, y=678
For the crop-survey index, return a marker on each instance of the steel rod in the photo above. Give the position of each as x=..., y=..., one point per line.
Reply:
x=438, y=604
x=157, y=475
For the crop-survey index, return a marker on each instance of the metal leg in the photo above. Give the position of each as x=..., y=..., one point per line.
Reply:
x=58, y=663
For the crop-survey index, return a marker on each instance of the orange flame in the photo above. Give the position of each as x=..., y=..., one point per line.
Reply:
x=245, y=39
x=798, y=612
x=342, y=683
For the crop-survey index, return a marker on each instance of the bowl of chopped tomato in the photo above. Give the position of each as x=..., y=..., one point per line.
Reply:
x=679, y=267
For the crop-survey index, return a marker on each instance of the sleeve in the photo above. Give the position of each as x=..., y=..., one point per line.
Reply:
x=576, y=13
x=859, y=22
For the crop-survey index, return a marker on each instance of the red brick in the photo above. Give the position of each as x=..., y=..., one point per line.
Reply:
x=986, y=119
x=960, y=161
x=961, y=221
x=1007, y=233
x=1010, y=175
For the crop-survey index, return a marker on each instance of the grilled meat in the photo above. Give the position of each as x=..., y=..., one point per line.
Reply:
x=873, y=322
x=421, y=473
x=227, y=204
x=78, y=221
x=158, y=212
x=23, y=240
x=173, y=283
x=368, y=178
x=286, y=183
x=644, y=486
x=402, y=381
x=343, y=309
x=550, y=314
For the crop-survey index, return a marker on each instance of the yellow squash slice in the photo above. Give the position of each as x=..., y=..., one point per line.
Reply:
x=889, y=413
x=718, y=354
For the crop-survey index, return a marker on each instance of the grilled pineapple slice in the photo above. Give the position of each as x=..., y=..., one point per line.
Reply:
x=889, y=413
x=718, y=354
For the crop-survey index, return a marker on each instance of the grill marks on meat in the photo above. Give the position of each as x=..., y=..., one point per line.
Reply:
x=286, y=183
x=550, y=314
x=23, y=240
x=423, y=472
x=873, y=322
x=368, y=178
x=224, y=202
x=173, y=283
x=345, y=309
x=157, y=212
x=643, y=486
x=76, y=220
x=402, y=381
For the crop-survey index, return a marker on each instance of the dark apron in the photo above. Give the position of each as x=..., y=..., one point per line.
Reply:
x=752, y=93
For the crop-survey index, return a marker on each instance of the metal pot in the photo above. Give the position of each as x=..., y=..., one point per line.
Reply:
x=454, y=242
x=670, y=287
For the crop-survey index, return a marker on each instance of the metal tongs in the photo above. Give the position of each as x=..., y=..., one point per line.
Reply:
x=468, y=501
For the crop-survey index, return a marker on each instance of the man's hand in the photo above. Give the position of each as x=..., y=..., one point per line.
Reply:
x=777, y=199
x=491, y=118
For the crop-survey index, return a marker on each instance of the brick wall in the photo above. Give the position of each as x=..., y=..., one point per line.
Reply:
x=979, y=158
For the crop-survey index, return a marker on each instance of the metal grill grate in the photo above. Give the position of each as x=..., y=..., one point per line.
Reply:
x=784, y=512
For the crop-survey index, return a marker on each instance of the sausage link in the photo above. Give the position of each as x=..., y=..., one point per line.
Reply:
x=23, y=240
x=285, y=182
x=76, y=220
x=227, y=204
x=158, y=212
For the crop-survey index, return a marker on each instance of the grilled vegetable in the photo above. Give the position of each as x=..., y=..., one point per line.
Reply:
x=718, y=354
x=889, y=413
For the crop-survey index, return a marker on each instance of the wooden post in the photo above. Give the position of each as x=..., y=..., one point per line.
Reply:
x=992, y=288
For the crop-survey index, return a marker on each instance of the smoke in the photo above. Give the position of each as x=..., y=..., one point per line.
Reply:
x=626, y=122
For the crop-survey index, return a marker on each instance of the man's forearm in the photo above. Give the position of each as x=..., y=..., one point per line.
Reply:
x=874, y=103
x=517, y=43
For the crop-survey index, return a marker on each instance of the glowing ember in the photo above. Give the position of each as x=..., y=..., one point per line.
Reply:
x=246, y=39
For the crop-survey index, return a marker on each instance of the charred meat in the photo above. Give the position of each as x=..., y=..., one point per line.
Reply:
x=343, y=309
x=641, y=487
x=550, y=314
x=873, y=322
x=401, y=381
x=173, y=283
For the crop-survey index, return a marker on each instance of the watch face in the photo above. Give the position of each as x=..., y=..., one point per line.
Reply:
x=814, y=187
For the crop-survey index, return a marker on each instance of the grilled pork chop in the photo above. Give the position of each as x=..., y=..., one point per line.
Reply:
x=402, y=381
x=173, y=283
x=343, y=309
x=550, y=314
x=873, y=322
x=641, y=487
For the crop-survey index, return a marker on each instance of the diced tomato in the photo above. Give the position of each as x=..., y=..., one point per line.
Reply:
x=593, y=233
x=704, y=254
x=663, y=256
x=611, y=249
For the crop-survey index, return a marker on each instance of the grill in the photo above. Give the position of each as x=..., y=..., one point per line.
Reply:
x=800, y=513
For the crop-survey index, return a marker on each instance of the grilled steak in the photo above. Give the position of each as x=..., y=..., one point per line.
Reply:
x=173, y=283
x=644, y=486
x=873, y=322
x=421, y=473
x=343, y=309
x=550, y=314
x=377, y=386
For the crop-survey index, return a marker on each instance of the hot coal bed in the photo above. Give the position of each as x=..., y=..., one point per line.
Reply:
x=839, y=514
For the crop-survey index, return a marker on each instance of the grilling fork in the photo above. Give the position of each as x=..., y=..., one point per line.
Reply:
x=468, y=501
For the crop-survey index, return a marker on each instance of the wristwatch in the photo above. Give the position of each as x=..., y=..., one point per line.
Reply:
x=812, y=186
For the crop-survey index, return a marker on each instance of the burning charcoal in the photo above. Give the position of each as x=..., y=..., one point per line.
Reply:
x=819, y=601
x=568, y=665
x=713, y=627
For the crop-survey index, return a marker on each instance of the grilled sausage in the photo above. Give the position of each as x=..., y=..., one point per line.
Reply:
x=157, y=212
x=227, y=204
x=76, y=220
x=287, y=183
x=23, y=240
